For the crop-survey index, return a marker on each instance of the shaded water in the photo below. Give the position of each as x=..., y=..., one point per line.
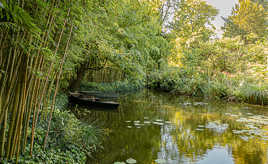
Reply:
x=161, y=128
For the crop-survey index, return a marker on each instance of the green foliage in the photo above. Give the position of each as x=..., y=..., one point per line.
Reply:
x=70, y=141
x=220, y=86
x=192, y=19
x=114, y=87
x=66, y=129
x=247, y=18
x=253, y=93
x=122, y=34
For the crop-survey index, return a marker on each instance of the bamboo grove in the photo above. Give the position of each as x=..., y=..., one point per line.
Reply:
x=29, y=54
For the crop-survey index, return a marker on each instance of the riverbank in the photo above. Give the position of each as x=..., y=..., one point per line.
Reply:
x=220, y=86
x=69, y=140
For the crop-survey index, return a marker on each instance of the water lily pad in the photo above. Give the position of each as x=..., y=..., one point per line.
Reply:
x=217, y=127
x=198, y=129
x=251, y=126
x=158, y=123
x=245, y=138
x=129, y=126
x=119, y=163
x=242, y=120
x=234, y=115
x=168, y=122
x=186, y=103
x=237, y=131
x=159, y=120
x=137, y=121
x=160, y=161
x=199, y=103
x=127, y=121
x=131, y=161
x=147, y=122
x=146, y=118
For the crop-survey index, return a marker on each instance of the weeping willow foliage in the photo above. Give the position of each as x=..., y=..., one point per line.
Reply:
x=34, y=40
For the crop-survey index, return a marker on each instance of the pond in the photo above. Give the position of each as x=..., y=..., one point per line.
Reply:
x=152, y=128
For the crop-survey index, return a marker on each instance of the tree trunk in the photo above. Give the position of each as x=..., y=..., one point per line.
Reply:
x=75, y=83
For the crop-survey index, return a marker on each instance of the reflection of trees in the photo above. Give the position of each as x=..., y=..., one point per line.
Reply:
x=193, y=143
x=251, y=152
x=122, y=143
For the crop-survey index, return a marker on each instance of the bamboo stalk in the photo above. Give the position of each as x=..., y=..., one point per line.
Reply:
x=57, y=85
x=35, y=118
x=11, y=86
x=3, y=135
x=22, y=111
x=10, y=146
x=50, y=70
x=37, y=84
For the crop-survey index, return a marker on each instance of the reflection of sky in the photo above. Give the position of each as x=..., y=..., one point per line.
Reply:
x=225, y=9
x=219, y=154
x=169, y=150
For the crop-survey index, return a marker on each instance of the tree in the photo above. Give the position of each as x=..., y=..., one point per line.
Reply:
x=122, y=34
x=247, y=17
x=193, y=18
x=191, y=26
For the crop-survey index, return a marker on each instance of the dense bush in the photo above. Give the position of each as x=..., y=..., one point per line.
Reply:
x=69, y=139
x=219, y=86
x=118, y=86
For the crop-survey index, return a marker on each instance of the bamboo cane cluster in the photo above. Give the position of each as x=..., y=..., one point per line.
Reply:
x=32, y=55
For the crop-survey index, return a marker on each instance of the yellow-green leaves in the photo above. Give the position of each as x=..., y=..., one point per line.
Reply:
x=247, y=18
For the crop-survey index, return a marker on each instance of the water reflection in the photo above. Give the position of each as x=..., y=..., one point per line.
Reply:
x=161, y=128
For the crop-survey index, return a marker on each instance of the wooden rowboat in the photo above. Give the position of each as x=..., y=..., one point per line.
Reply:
x=91, y=101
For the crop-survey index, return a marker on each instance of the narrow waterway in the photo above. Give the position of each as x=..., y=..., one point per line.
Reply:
x=162, y=128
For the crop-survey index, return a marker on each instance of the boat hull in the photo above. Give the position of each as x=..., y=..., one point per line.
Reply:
x=93, y=103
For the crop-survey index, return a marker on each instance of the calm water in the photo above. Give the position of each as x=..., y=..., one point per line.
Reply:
x=160, y=128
